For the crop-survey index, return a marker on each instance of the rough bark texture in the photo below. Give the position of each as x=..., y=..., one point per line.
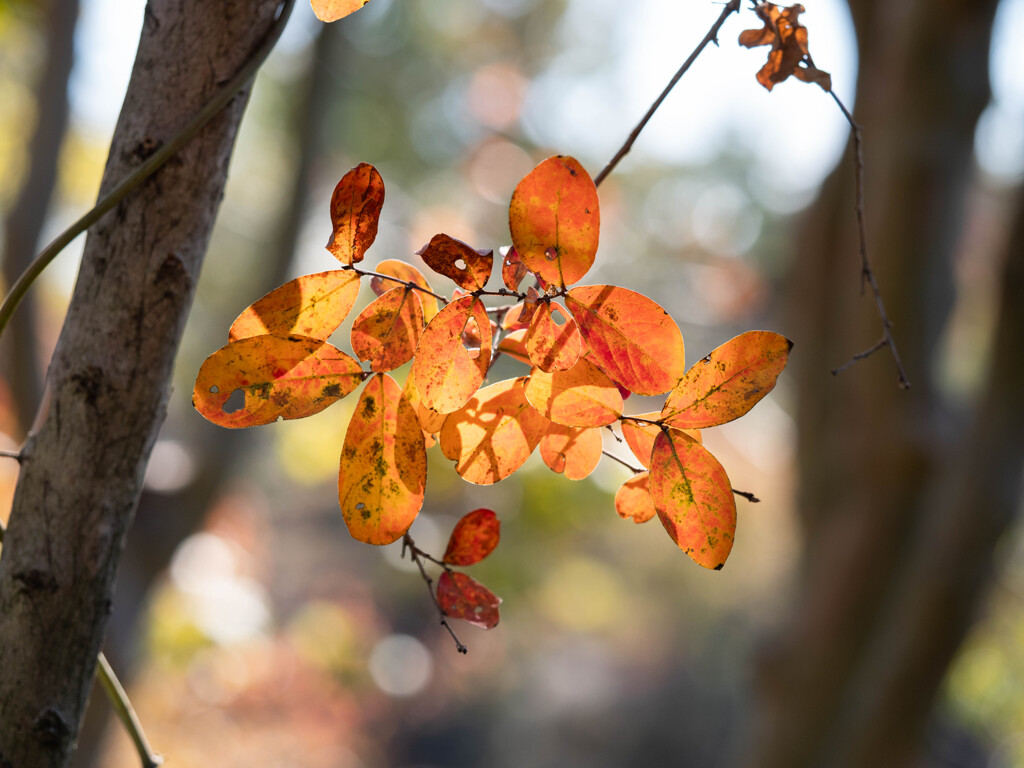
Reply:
x=25, y=219
x=82, y=471
x=890, y=478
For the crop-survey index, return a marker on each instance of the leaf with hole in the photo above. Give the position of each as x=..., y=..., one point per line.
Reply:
x=311, y=305
x=491, y=436
x=462, y=597
x=465, y=266
x=571, y=451
x=633, y=499
x=555, y=220
x=728, y=382
x=281, y=377
x=383, y=468
x=447, y=374
x=693, y=497
x=630, y=336
x=582, y=396
x=553, y=347
x=355, y=211
x=387, y=331
x=474, y=537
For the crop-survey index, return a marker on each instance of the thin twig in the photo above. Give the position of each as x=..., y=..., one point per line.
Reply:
x=615, y=434
x=147, y=169
x=748, y=496
x=122, y=706
x=642, y=420
x=416, y=553
x=867, y=275
x=400, y=281
x=623, y=462
x=711, y=37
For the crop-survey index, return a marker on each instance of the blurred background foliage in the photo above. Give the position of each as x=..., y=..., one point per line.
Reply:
x=253, y=630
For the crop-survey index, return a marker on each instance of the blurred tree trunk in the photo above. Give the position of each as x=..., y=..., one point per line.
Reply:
x=165, y=519
x=901, y=502
x=81, y=472
x=24, y=221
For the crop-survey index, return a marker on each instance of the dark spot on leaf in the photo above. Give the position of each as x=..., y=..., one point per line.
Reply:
x=369, y=407
x=720, y=566
x=332, y=390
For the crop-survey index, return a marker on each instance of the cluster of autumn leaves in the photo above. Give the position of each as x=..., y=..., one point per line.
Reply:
x=607, y=342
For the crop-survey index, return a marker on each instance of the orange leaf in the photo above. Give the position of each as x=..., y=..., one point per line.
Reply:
x=520, y=316
x=553, y=347
x=286, y=377
x=631, y=337
x=474, y=537
x=694, y=498
x=464, y=598
x=640, y=436
x=514, y=345
x=447, y=374
x=555, y=220
x=728, y=382
x=582, y=396
x=355, y=210
x=387, y=331
x=311, y=305
x=383, y=465
x=493, y=434
x=633, y=499
x=332, y=10
x=789, y=54
x=431, y=421
x=408, y=273
x=445, y=254
x=513, y=271
x=572, y=451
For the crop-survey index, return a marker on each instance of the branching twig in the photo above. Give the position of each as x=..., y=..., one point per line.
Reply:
x=147, y=169
x=867, y=275
x=418, y=555
x=407, y=283
x=623, y=462
x=711, y=37
x=122, y=706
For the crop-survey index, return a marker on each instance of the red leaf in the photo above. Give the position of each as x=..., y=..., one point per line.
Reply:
x=694, y=498
x=512, y=269
x=728, y=382
x=443, y=254
x=355, y=210
x=464, y=598
x=474, y=537
x=555, y=220
x=630, y=336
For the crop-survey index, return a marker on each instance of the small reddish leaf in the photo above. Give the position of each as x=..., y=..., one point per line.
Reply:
x=582, y=396
x=383, y=466
x=513, y=271
x=789, y=54
x=311, y=305
x=694, y=498
x=286, y=377
x=447, y=374
x=633, y=499
x=555, y=220
x=520, y=316
x=468, y=268
x=514, y=345
x=462, y=597
x=408, y=273
x=630, y=336
x=474, y=537
x=572, y=451
x=332, y=10
x=491, y=436
x=728, y=382
x=640, y=436
x=553, y=347
x=387, y=331
x=355, y=210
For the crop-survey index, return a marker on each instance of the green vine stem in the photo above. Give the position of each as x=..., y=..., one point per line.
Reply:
x=147, y=169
